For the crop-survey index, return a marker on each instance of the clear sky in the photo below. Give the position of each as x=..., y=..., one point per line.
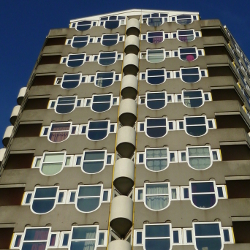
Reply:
x=26, y=23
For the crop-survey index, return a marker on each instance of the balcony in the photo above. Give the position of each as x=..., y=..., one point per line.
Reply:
x=129, y=87
x=127, y=112
x=133, y=27
x=14, y=114
x=131, y=64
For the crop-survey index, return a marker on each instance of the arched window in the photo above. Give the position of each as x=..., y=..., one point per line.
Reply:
x=188, y=54
x=101, y=103
x=157, y=195
x=157, y=159
x=185, y=35
x=193, y=98
x=79, y=41
x=88, y=198
x=196, y=125
x=59, y=132
x=109, y=40
x=155, y=37
x=208, y=235
x=70, y=81
x=83, y=25
x=97, y=130
x=107, y=58
x=93, y=161
x=157, y=236
x=203, y=194
x=156, y=100
x=75, y=60
x=155, y=55
x=104, y=79
x=156, y=127
x=44, y=199
x=190, y=75
x=112, y=22
x=155, y=19
x=184, y=19
x=155, y=76
x=65, y=104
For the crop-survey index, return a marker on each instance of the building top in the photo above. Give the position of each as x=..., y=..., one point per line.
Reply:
x=134, y=12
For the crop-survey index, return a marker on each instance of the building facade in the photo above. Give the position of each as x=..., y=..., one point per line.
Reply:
x=132, y=133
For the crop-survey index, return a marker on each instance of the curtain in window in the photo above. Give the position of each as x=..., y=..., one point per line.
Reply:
x=157, y=40
x=160, y=199
x=59, y=132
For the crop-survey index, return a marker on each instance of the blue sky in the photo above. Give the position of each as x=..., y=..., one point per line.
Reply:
x=25, y=24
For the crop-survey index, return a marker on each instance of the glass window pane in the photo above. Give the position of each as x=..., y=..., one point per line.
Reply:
x=90, y=191
x=159, y=244
x=89, y=204
x=98, y=155
x=202, y=187
x=84, y=233
x=46, y=192
x=43, y=206
x=53, y=157
x=210, y=229
x=209, y=243
x=36, y=234
x=157, y=231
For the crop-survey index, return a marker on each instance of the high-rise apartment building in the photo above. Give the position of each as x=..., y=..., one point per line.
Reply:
x=132, y=133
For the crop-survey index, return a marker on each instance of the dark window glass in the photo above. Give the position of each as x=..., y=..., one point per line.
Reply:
x=196, y=126
x=98, y=130
x=155, y=21
x=139, y=238
x=84, y=25
x=156, y=76
x=190, y=75
x=75, y=60
x=107, y=58
x=70, y=81
x=104, y=79
x=109, y=40
x=59, y=132
x=65, y=104
x=156, y=127
x=88, y=198
x=185, y=35
x=112, y=24
x=156, y=100
x=80, y=41
x=101, y=103
x=155, y=37
x=193, y=98
x=176, y=236
x=188, y=54
x=93, y=162
x=184, y=19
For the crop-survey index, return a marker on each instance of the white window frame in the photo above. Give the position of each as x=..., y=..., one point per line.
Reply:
x=55, y=103
x=174, y=18
x=65, y=60
x=71, y=41
x=178, y=74
x=165, y=76
x=60, y=80
x=121, y=21
x=90, y=101
x=100, y=197
x=96, y=58
x=180, y=97
x=177, y=53
x=136, y=231
x=144, y=55
x=41, y=161
x=104, y=160
x=108, y=129
x=165, y=35
x=75, y=24
x=169, y=195
x=119, y=39
x=146, y=99
x=156, y=224
x=93, y=79
x=47, y=133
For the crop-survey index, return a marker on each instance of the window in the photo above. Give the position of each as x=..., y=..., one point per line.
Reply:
x=109, y=40
x=203, y=195
x=51, y=163
x=156, y=100
x=104, y=79
x=207, y=236
x=156, y=76
x=185, y=35
x=193, y=98
x=80, y=41
x=157, y=236
x=59, y=132
x=112, y=22
x=84, y=237
x=156, y=195
x=156, y=159
x=188, y=54
x=155, y=19
x=64, y=104
x=94, y=161
x=70, y=81
x=83, y=25
x=196, y=125
x=155, y=55
x=89, y=198
x=191, y=75
x=75, y=60
x=156, y=127
x=155, y=37
x=184, y=19
x=44, y=199
x=102, y=103
x=107, y=58
x=97, y=130
x=36, y=238
x=200, y=157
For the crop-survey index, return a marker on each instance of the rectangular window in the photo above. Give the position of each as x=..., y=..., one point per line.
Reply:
x=137, y=237
x=139, y=194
